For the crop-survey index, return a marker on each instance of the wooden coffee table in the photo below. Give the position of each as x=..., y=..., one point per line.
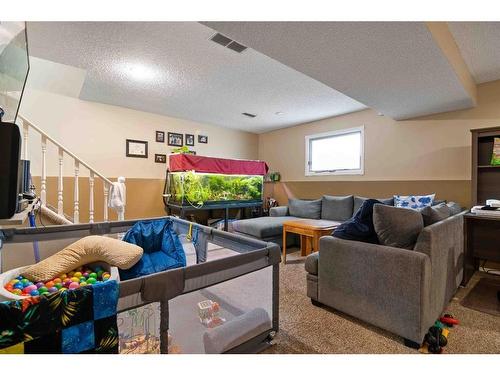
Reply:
x=310, y=232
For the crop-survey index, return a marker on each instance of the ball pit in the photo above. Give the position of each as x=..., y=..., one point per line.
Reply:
x=82, y=276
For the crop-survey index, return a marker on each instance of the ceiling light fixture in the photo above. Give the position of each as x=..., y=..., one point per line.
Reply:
x=249, y=114
x=139, y=72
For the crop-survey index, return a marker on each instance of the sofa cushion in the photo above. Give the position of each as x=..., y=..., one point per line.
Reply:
x=309, y=209
x=413, y=201
x=336, y=208
x=454, y=207
x=262, y=227
x=360, y=226
x=435, y=213
x=358, y=201
x=397, y=227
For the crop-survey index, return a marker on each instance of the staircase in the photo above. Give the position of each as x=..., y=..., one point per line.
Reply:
x=56, y=215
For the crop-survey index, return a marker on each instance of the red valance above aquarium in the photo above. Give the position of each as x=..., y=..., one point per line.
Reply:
x=205, y=164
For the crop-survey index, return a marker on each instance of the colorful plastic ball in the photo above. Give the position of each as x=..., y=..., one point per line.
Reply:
x=91, y=280
x=49, y=284
x=18, y=286
x=43, y=289
x=58, y=285
x=25, y=282
x=70, y=274
x=63, y=276
x=83, y=279
x=34, y=293
x=74, y=285
x=83, y=283
x=13, y=282
x=106, y=277
x=77, y=274
x=75, y=279
x=53, y=289
x=93, y=275
x=57, y=280
x=39, y=285
x=20, y=277
x=85, y=274
x=9, y=287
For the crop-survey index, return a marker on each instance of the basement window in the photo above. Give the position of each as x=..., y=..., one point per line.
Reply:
x=335, y=153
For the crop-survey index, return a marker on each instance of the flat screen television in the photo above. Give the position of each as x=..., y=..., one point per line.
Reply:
x=14, y=68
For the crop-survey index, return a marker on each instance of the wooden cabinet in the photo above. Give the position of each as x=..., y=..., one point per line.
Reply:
x=485, y=177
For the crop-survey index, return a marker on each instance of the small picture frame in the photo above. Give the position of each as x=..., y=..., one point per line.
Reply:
x=160, y=136
x=203, y=139
x=175, y=139
x=189, y=139
x=136, y=149
x=161, y=158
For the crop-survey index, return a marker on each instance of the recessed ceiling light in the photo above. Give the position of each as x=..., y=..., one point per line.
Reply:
x=139, y=72
x=280, y=113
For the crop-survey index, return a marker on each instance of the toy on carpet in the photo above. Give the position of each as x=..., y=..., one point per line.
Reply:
x=86, y=250
x=208, y=312
x=23, y=286
x=437, y=336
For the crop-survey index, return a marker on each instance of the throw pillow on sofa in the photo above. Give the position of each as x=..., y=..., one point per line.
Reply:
x=304, y=208
x=358, y=201
x=455, y=208
x=435, y=213
x=413, y=201
x=336, y=208
x=397, y=227
x=360, y=226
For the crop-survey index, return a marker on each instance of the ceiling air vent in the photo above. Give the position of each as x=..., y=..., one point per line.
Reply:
x=221, y=39
x=229, y=43
x=249, y=114
x=235, y=46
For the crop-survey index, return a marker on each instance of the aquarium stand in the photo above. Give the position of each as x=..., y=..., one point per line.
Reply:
x=182, y=210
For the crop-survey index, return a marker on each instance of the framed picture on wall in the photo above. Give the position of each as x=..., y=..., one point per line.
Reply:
x=203, y=139
x=175, y=139
x=160, y=158
x=136, y=149
x=160, y=136
x=189, y=139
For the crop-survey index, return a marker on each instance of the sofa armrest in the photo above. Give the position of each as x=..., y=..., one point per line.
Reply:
x=382, y=285
x=278, y=211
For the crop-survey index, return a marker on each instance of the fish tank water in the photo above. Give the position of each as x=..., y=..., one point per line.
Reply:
x=198, y=181
x=198, y=189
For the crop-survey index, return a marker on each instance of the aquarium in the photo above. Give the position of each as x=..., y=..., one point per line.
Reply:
x=198, y=181
x=197, y=189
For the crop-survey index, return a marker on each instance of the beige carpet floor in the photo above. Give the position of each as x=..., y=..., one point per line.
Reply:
x=305, y=328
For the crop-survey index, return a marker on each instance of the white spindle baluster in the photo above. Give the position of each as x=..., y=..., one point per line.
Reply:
x=43, y=182
x=91, y=197
x=25, y=140
x=60, y=207
x=76, y=209
x=106, y=190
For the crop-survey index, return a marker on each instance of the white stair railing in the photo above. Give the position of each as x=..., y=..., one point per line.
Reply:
x=62, y=151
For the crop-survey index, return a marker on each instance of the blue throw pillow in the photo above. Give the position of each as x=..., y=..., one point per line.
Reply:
x=413, y=201
x=162, y=248
x=360, y=226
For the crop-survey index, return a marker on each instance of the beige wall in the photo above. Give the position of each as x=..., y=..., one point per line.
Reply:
x=433, y=148
x=430, y=148
x=97, y=132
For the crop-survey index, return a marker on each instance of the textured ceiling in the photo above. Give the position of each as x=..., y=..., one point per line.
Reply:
x=179, y=72
x=479, y=44
x=394, y=67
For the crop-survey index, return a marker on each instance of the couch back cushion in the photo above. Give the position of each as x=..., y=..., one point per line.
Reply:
x=358, y=201
x=433, y=214
x=397, y=227
x=454, y=207
x=308, y=209
x=336, y=208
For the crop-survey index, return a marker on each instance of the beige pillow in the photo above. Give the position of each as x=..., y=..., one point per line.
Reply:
x=84, y=251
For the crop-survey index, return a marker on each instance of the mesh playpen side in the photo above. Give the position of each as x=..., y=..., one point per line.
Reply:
x=224, y=301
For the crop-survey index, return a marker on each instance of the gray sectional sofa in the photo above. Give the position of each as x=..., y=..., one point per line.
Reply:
x=401, y=285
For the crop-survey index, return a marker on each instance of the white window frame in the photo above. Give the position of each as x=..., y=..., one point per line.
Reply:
x=312, y=137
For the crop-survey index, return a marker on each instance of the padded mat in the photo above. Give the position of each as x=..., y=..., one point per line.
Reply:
x=483, y=297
